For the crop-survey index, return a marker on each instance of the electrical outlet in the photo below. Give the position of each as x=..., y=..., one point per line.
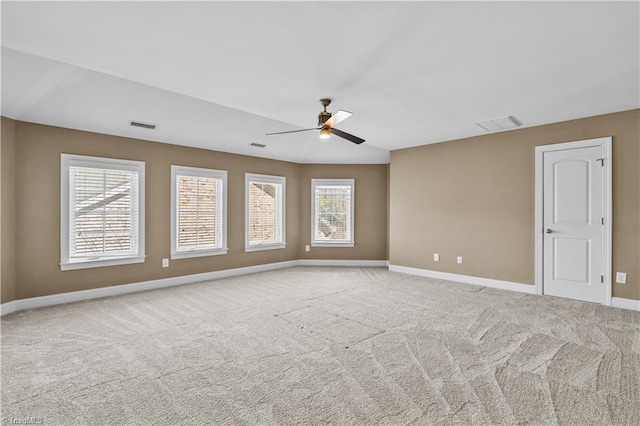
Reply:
x=436, y=257
x=621, y=277
x=459, y=260
x=307, y=248
x=165, y=263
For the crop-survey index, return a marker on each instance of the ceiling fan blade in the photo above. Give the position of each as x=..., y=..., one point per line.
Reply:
x=293, y=131
x=346, y=136
x=338, y=117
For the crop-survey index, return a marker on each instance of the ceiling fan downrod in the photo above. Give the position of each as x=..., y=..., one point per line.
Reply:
x=324, y=115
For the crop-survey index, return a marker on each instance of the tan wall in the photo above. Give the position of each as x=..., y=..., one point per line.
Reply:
x=8, y=213
x=370, y=210
x=388, y=204
x=475, y=198
x=38, y=183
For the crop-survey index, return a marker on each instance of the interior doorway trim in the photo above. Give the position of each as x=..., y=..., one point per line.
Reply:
x=605, y=144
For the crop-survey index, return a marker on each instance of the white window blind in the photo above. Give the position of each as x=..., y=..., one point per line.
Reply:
x=198, y=212
x=264, y=212
x=102, y=217
x=332, y=210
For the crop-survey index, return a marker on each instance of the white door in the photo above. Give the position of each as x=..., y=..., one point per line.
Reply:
x=573, y=218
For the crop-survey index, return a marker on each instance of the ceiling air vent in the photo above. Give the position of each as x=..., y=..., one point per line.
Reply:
x=143, y=125
x=499, y=123
x=257, y=145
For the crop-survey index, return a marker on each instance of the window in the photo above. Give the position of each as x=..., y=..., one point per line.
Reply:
x=332, y=212
x=198, y=212
x=102, y=212
x=264, y=206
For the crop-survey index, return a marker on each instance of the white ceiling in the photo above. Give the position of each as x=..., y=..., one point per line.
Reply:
x=219, y=75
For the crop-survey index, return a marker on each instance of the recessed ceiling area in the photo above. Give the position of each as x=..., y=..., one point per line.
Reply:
x=220, y=75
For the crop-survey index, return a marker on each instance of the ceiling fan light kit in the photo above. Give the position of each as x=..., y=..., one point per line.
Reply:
x=325, y=133
x=326, y=121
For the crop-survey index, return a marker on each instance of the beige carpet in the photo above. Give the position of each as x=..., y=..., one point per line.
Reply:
x=313, y=345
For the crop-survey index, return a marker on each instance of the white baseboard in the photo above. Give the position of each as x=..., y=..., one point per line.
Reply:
x=467, y=279
x=77, y=296
x=619, y=302
x=7, y=308
x=328, y=262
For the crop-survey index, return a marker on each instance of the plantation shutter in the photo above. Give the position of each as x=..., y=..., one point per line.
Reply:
x=265, y=212
x=199, y=213
x=333, y=215
x=103, y=213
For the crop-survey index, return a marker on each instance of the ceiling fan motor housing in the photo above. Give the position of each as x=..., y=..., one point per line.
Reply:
x=323, y=117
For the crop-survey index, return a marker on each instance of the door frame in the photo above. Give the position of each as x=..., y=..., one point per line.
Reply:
x=605, y=144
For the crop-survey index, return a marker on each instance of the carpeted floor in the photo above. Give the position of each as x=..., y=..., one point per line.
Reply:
x=312, y=345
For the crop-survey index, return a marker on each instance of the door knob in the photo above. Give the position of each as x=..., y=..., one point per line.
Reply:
x=548, y=231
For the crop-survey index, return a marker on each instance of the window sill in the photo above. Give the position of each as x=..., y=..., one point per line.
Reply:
x=261, y=247
x=198, y=253
x=329, y=244
x=86, y=264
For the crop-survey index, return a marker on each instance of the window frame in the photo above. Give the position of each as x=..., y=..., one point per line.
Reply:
x=204, y=173
x=314, y=223
x=280, y=220
x=73, y=160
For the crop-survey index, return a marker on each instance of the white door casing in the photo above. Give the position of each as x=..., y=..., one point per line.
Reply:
x=573, y=211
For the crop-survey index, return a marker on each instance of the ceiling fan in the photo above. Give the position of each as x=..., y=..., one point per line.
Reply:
x=326, y=121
